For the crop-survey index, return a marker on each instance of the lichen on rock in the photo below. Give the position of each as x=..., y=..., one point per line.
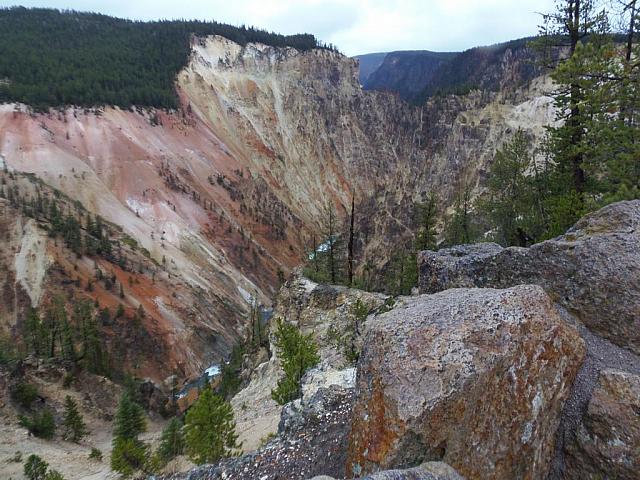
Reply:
x=473, y=377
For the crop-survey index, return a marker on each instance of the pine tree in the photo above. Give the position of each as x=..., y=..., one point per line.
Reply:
x=569, y=143
x=616, y=113
x=460, y=228
x=74, y=425
x=95, y=357
x=55, y=319
x=334, y=243
x=172, y=440
x=41, y=424
x=128, y=453
x=401, y=272
x=427, y=216
x=68, y=343
x=53, y=475
x=35, y=333
x=35, y=468
x=351, y=241
x=359, y=312
x=209, y=430
x=298, y=353
x=514, y=206
x=129, y=421
x=332, y=260
x=575, y=20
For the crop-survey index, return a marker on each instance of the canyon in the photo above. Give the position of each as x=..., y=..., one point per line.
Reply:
x=225, y=193
x=213, y=207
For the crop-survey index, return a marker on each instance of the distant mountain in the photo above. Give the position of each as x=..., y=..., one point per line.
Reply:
x=418, y=75
x=407, y=72
x=369, y=63
x=486, y=68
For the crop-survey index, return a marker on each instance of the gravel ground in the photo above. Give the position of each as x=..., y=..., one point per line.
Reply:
x=601, y=355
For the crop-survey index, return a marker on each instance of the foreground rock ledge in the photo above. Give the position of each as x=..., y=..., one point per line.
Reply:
x=593, y=270
x=472, y=377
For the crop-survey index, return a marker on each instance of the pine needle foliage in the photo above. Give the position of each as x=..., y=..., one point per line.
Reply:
x=129, y=453
x=298, y=353
x=172, y=440
x=53, y=58
x=514, y=205
x=75, y=428
x=128, y=456
x=129, y=421
x=41, y=424
x=209, y=430
x=35, y=468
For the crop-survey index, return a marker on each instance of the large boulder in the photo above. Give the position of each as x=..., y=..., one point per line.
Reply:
x=472, y=377
x=607, y=441
x=593, y=270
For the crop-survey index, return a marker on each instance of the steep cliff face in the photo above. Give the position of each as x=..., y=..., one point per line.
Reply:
x=302, y=121
x=226, y=192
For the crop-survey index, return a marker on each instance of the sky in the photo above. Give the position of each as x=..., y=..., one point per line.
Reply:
x=354, y=26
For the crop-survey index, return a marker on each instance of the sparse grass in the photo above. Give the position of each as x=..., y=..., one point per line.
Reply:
x=127, y=240
x=266, y=439
x=95, y=454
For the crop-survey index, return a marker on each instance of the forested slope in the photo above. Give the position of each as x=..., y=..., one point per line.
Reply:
x=53, y=58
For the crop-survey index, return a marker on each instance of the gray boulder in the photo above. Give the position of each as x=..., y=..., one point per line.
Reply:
x=607, y=441
x=593, y=270
x=473, y=377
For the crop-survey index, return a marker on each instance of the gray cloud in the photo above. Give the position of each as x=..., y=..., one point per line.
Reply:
x=355, y=26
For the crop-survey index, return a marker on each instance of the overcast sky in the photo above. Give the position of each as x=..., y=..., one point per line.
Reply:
x=355, y=26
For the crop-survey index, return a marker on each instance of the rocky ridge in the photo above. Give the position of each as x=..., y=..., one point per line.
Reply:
x=309, y=442
x=487, y=383
x=588, y=270
x=607, y=441
x=324, y=311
